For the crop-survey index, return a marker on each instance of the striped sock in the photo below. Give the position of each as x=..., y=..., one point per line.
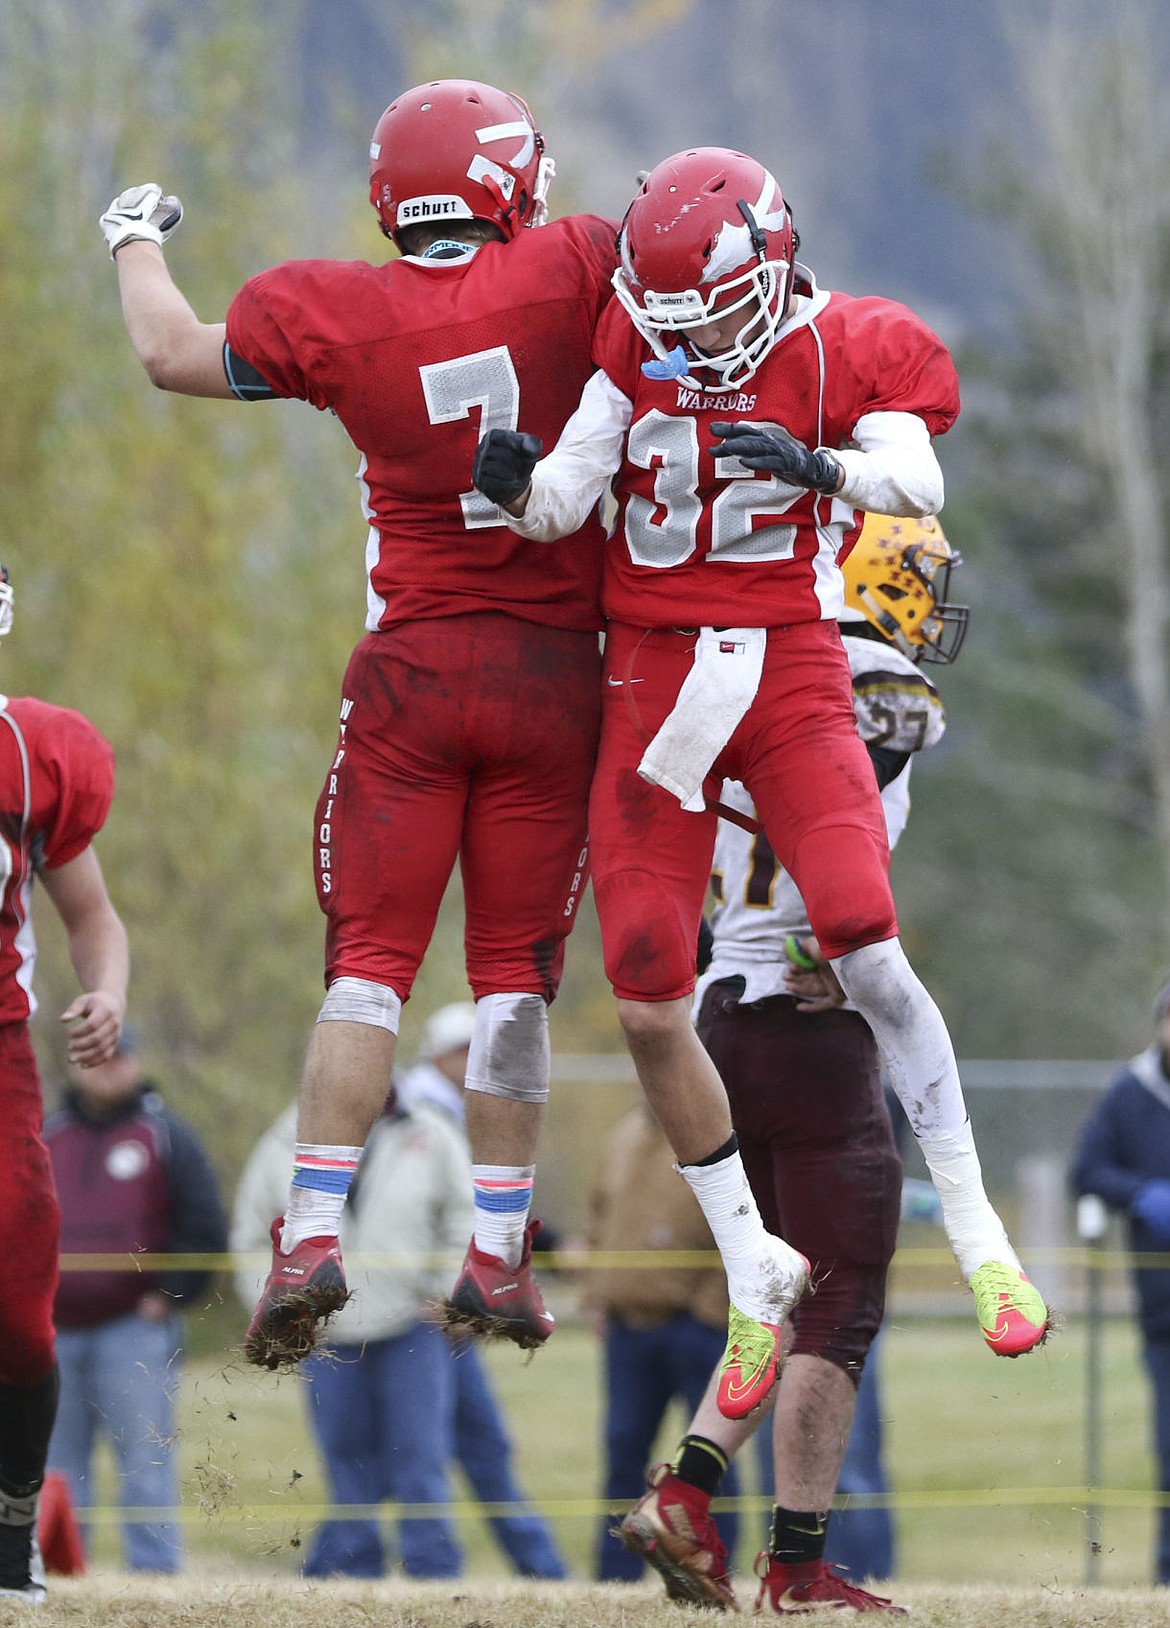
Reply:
x=503, y=1194
x=322, y=1173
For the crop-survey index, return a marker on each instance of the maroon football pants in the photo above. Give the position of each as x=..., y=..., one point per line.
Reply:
x=818, y=1148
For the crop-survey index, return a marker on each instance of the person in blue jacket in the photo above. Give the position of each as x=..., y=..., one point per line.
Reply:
x=1123, y=1156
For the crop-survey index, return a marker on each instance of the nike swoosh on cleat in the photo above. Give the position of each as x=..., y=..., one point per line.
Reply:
x=618, y=682
x=791, y=1601
x=735, y=1392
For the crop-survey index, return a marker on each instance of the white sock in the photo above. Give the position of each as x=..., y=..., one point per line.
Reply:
x=503, y=1197
x=748, y=1251
x=974, y=1230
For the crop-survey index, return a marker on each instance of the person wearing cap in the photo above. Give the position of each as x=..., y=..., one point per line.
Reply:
x=1123, y=1157
x=381, y=1388
x=133, y=1178
x=56, y=788
x=480, y=1433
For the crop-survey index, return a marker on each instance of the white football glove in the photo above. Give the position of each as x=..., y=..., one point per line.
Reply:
x=141, y=213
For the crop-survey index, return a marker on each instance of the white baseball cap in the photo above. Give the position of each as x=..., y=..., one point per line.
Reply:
x=448, y=1029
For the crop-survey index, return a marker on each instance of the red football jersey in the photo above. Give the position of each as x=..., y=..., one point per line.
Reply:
x=56, y=785
x=418, y=359
x=706, y=543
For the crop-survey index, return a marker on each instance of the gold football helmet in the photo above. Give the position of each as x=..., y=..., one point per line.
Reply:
x=896, y=578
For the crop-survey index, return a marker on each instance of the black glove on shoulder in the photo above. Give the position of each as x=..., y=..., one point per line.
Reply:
x=504, y=461
x=779, y=453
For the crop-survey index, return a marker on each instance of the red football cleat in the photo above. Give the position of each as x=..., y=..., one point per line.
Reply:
x=500, y=1301
x=671, y=1528
x=304, y=1289
x=791, y=1591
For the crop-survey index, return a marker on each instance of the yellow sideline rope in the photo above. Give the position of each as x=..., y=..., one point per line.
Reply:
x=1071, y=1497
x=579, y=1260
x=1076, y=1498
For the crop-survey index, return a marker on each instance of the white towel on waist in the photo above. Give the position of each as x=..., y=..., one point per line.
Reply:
x=715, y=694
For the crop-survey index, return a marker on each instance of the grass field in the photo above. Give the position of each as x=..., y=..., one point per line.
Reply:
x=205, y=1601
x=987, y=1458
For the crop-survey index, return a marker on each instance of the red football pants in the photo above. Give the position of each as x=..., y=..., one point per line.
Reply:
x=30, y=1219
x=468, y=738
x=798, y=752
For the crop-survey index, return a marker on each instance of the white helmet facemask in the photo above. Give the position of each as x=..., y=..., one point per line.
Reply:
x=755, y=291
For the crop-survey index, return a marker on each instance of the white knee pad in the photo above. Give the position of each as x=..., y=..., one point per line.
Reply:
x=356, y=1000
x=509, y=1054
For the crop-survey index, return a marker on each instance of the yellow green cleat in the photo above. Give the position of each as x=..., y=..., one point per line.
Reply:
x=1010, y=1309
x=750, y=1366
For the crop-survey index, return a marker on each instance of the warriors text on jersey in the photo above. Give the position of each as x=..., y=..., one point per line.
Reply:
x=57, y=780
x=709, y=542
x=418, y=358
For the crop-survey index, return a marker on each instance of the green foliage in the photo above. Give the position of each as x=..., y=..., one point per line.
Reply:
x=1027, y=879
x=188, y=572
x=1037, y=891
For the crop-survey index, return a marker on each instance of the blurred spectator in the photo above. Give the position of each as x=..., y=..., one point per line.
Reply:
x=663, y=1329
x=133, y=1178
x=1123, y=1156
x=481, y=1439
x=383, y=1385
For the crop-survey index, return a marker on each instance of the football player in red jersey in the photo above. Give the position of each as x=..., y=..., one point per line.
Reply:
x=56, y=784
x=749, y=418
x=470, y=710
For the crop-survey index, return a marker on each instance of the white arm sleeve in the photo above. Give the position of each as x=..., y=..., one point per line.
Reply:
x=892, y=469
x=570, y=481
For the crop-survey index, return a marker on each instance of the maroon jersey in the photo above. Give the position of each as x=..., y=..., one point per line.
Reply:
x=115, y=1199
x=56, y=785
x=418, y=358
x=706, y=543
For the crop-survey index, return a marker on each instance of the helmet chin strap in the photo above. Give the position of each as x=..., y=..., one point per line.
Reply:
x=760, y=245
x=759, y=241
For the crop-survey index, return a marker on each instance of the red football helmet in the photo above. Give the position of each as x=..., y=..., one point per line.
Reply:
x=458, y=150
x=708, y=234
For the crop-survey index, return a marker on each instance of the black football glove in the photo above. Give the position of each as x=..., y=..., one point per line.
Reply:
x=779, y=453
x=504, y=461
